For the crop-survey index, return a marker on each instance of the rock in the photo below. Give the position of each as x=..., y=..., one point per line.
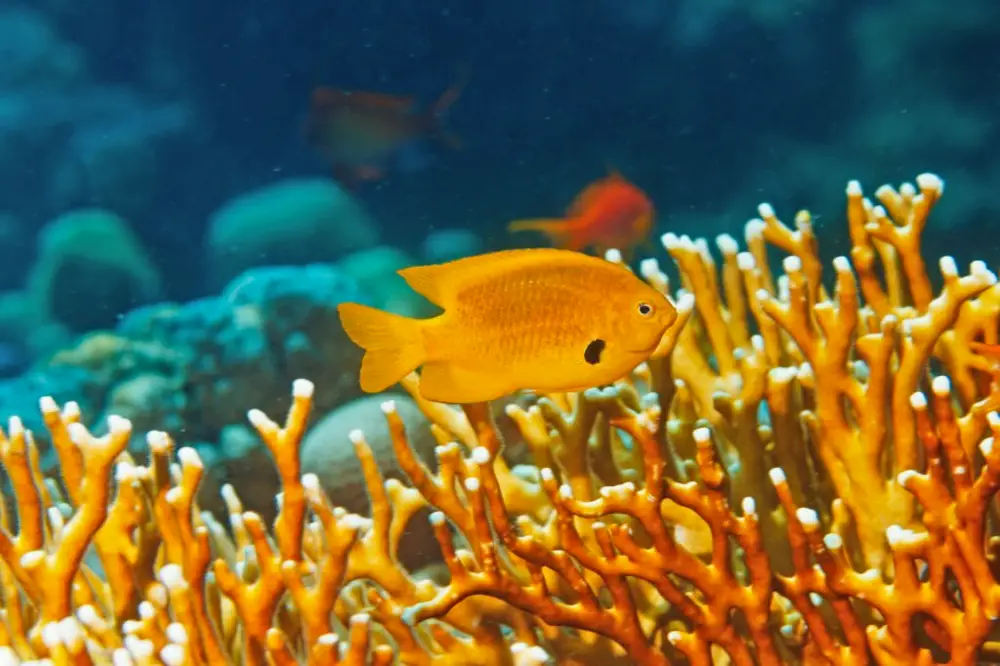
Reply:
x=448, y=244
x=295, y=221
x=327, y=452
x=91, y=269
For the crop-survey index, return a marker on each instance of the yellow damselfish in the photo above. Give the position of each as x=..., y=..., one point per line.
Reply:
x=545, y=320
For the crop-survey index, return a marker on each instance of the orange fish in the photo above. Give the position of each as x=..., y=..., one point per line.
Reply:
x=544, y=319
x=609, y=213
x=362, y=133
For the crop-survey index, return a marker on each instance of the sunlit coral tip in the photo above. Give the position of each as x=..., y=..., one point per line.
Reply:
x=792, y=264
x=649, y=268
x=303, y=388
x=948, y=266
x=808, y=517
x=188, y=457
x=941, y=386
x=177, y=633
x=833, y=541
x=930, y=181
x=356, y=436
x=726, y=244
x=388, y=407
x=171, y=575
x=173, y=655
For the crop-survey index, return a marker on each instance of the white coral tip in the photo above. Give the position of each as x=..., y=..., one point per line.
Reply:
x=930, y=181
x=702, y=435
x=388, y=407
x=257, y=418
x=685, y=301
x=171, y=575
x=941, y=385
x=807, y=517
x=356, y=436
x=726, y=244
x=173, y=655
x=842, y=264
x=480, y=455
x=918, y=400
x=189, y=457
x=854, y=188
x=777, y=475
x=792, y=264
x=303, y=388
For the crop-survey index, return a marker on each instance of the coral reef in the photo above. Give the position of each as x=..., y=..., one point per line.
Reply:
x=292, y=221
x=194, y=367
x=803, y=473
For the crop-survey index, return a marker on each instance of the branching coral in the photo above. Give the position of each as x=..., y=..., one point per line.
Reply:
x=804, y=472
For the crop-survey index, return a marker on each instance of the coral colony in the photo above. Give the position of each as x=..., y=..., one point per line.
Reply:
x=803, y=474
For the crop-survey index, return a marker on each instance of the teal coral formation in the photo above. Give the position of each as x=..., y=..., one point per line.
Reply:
x=193, y=367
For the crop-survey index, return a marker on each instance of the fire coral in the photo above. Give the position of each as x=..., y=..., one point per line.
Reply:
x=803, y=474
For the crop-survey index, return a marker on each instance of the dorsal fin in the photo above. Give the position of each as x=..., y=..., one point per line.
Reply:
x=586, y=198
x=361, y=99
x=440, y=283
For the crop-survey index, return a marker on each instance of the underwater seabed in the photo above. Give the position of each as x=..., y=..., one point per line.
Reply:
x=855, y=524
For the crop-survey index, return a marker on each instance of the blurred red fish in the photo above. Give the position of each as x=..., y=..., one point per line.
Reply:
x=362, y=134
x=608, y=213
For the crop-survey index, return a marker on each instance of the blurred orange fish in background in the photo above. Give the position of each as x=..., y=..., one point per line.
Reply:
x=362, y=134
x=608, y=213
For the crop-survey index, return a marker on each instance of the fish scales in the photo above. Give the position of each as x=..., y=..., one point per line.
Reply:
x=526, y=315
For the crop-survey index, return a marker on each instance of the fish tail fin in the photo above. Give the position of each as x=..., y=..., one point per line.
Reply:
x=440, y=107
x=561, y=231
x=393, y=344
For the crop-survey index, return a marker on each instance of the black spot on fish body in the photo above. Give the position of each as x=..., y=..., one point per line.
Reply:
x=592, y=354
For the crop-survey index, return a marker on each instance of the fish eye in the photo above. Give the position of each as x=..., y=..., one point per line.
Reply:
x=645, y=309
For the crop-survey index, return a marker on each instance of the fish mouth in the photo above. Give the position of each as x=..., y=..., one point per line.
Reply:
x=651, y=347
x=648, y=349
